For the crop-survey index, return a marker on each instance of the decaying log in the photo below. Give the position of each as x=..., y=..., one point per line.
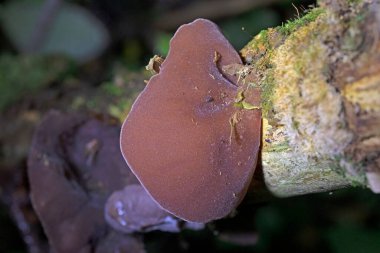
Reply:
x=320, y=80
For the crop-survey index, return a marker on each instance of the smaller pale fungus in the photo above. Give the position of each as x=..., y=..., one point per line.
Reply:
x=132, y=210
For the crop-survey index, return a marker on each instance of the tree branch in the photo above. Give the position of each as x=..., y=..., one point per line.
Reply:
x=320, y=82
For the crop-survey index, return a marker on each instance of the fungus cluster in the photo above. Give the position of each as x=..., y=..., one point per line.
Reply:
x=85, y=196
x=189, y=144
x=74, y=164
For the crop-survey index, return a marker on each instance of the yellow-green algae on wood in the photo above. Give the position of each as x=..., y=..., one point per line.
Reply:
x=305, y=132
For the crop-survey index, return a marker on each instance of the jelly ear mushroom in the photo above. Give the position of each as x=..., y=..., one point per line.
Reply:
x=73, y=166
x=185, y=139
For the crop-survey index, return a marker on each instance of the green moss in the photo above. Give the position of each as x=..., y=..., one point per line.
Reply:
x=354, y=1
x=283, y=146
x=292, y=25
x=355, y=181
x=267, y=90
x=355, y=34
x=262, y=47
x=23, y=75
x=262, y=38
x=117, y=95
x=112, y=89
x=115, y=99
x=359, y=180
x=120, y=109
x=263, y=43
x=295, y=124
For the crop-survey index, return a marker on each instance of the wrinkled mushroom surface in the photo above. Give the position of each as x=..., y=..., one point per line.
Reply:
x=185, y=140
x=73, y=166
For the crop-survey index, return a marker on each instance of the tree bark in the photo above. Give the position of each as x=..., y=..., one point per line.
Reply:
x=320, y=85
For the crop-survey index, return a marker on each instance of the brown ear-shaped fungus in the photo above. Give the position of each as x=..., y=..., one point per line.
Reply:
x=73, y=166
x=190, y=147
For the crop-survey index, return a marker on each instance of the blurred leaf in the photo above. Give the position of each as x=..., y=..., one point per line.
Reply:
x=354, y=240
x=74, y=32
x=162, y=43
x=240, y=30
x=132, y=52
x=20, y=75
x=269, y=222
x=112, y=89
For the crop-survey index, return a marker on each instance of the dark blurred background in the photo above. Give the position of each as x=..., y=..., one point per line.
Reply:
x=89, y=56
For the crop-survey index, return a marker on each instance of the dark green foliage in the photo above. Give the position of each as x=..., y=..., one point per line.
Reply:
x=240, y=30
x=22, y=75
